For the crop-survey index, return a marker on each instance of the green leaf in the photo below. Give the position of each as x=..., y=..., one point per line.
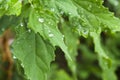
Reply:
x=105, y=62
x=45, y=23
x=71, y=40
x=34, y=53
x=10, y=7
x=60, y=6
x=67, y=6
x=92, y=16
x=104, y=59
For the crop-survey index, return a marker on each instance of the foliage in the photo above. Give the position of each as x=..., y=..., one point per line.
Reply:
x=84, y=30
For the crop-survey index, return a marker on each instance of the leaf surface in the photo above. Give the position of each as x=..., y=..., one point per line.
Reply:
x=92, y=16
x=46, y=23
x=34, y=53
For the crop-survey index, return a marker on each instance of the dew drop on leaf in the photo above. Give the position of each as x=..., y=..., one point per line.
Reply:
x=21, y=24
x=14, y=57
x=63, y=37
x=41, y=20
x=22, y=65
x=29, y=30
x=51, y=35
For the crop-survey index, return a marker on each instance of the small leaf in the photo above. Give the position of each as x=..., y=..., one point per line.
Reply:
x=45, y=23
x=34, y=53
x=105, y=61
x=92, y=16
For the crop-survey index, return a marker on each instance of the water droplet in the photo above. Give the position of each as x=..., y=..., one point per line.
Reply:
x=63, y=37
x=22, y=65
x=21, y=24
x=51, y=35
x=14, y=57
x=29, y=30
x=41, y=20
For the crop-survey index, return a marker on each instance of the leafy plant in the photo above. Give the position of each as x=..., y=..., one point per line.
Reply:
x=75, y=26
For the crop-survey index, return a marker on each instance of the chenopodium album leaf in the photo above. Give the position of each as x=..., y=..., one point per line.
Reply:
x=92, y=16
x=93, y=19
x=45, y=23
x=34, y=53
